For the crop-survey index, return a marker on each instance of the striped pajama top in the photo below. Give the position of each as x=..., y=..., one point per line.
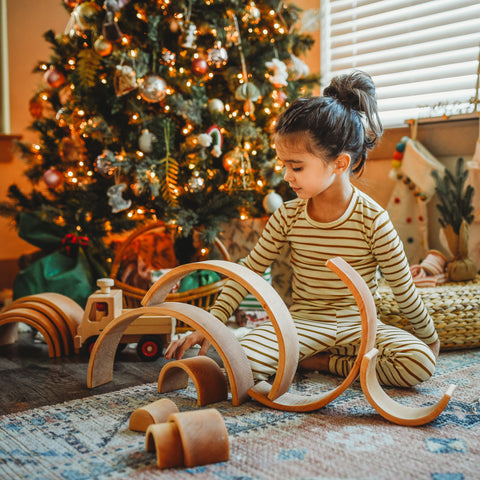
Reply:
x=363, y=236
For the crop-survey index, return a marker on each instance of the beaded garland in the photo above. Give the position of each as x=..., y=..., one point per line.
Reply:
x=396, y=173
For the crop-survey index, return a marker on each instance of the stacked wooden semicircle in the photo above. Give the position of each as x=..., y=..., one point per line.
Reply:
x=55, y=316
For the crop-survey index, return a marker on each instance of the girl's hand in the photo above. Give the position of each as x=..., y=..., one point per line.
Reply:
x=435, y=347
x=177, y=348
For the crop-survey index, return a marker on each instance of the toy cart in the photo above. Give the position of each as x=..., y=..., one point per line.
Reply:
x=150, y=333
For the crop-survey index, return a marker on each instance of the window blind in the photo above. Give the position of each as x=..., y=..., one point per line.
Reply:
x=422, y=55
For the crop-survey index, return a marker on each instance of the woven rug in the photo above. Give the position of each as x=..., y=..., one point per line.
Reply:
x=89, y=438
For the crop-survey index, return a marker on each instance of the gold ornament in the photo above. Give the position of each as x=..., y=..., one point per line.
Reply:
x=86, y=15
x=240, y=175
x=102, y=46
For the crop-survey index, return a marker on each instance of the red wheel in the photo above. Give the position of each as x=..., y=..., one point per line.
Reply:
x=149, y=348
x=88, y=345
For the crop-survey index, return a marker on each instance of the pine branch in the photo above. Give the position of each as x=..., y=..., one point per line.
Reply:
x=87, y=67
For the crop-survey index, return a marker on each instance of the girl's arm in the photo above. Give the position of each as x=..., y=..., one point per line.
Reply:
x=390, y=255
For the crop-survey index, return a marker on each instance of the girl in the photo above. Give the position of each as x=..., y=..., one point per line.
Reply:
x=321, y=142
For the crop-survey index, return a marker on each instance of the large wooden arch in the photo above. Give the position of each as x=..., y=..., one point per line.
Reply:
x=100, y=367
x=389, y=408
x=268, y=297
x=368, y=314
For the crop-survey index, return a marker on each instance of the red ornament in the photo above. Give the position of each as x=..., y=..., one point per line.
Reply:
x=36, y=107
x=54, y=78
x=199, y=66
x=53, y=178
x=397, y=155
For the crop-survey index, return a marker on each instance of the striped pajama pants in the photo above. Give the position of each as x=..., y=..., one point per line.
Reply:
x=403, y=360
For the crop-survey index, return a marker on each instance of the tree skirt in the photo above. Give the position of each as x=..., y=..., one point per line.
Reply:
x=89, y=438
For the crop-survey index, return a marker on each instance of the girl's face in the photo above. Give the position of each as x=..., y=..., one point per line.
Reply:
x=308, y=174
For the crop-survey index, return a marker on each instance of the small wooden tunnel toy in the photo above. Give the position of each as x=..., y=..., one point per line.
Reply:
x=55, y=316
x=155, y=412
x=208, y=378
x=189, y=439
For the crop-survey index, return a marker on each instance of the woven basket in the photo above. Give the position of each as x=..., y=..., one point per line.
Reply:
x=454, y=308
x=202, y=297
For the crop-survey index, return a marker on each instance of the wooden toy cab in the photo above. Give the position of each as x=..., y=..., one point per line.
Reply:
x=150, y=333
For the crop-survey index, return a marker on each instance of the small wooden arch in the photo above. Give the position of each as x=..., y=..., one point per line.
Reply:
x=268, y=297
x=100, y=366
x=206, y=375
x=36, y=320
x=389, y=408
x=368, y=314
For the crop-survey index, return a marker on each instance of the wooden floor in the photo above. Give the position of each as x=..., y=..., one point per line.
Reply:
x=29, y=378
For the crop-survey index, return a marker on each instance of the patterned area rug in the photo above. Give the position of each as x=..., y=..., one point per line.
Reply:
x=89, y=438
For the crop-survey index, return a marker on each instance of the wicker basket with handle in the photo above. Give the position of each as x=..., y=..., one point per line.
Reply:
x=203, y=296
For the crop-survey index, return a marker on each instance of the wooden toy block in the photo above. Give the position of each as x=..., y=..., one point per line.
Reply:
x=164, y=439
x=102, y=357
x=267, y=296
x=389, y=408
x=155, y=412
x=208, y=378
x=189, y=439
x=368, y=316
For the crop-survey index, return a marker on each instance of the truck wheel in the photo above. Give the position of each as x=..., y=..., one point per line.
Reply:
x=88, y=345
x=149, y=348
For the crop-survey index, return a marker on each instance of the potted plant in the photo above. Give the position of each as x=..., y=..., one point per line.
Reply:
x=456, y=214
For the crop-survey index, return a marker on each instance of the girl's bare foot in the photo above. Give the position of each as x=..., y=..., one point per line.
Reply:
x=318, y=362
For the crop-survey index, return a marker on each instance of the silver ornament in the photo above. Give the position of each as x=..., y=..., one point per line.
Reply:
x=115, y=198
x=272, y=201
x=195, y=182
x=104, y=163
x=153, y=88
x=215, y=105
x=217, y=56
x=145, y=141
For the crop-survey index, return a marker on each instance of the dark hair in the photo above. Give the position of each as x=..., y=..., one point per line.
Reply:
x=344, y=119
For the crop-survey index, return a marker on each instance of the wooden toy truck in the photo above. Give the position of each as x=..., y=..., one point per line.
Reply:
x=150, y=333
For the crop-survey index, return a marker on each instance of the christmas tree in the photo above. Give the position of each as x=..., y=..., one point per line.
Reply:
x=159, y=110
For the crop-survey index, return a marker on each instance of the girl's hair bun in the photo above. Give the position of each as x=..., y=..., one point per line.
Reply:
x=353, y=90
